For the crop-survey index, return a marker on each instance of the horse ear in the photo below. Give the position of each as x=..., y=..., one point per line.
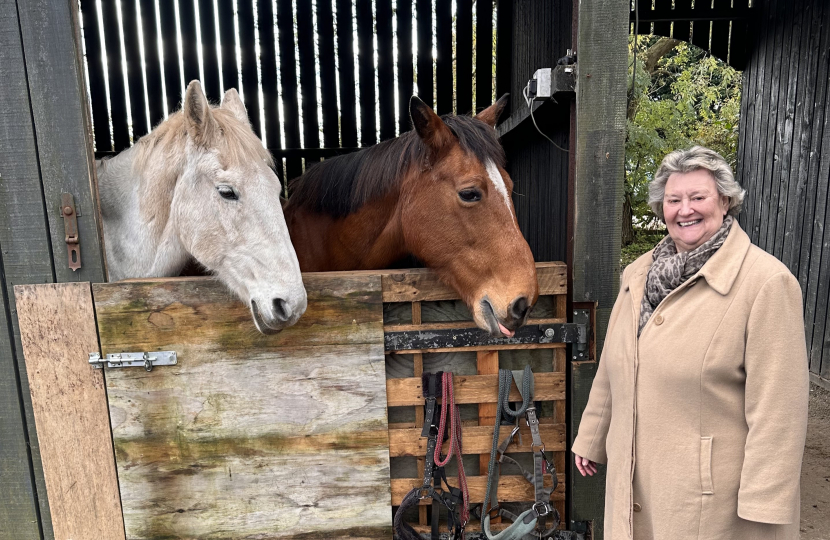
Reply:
x=232, y=103
x=490, y=115
x=432, y=130
x=197, y=117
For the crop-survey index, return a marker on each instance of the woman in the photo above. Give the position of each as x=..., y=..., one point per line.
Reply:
x=699, y=406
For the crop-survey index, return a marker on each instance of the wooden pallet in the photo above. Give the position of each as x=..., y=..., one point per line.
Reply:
x=415, y=299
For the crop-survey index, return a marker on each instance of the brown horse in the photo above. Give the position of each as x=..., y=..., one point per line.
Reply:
x=439, y=193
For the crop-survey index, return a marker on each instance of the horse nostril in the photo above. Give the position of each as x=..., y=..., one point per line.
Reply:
x=519, y=308
x=281, y=312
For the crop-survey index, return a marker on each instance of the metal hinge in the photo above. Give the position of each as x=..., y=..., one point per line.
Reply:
x=579, y=350
x=70, y=227
x=147, y=360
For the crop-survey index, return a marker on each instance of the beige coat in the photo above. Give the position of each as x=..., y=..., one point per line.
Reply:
x=702, y=420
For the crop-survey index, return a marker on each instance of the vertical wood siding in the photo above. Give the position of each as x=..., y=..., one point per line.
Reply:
x=784, y=153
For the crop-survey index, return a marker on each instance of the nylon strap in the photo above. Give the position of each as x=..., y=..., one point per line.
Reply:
x=530, y=523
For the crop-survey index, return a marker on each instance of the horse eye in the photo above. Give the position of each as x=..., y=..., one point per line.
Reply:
x=470, y=195
x=227, y=192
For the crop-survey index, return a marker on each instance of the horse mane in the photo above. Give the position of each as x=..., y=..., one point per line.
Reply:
x=341, y=185
x=164, y=147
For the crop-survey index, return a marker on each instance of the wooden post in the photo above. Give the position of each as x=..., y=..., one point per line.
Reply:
x=44, y=151
x=70, y=407
x=598, y=188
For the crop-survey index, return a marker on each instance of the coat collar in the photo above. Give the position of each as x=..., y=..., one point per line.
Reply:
x=720, y=271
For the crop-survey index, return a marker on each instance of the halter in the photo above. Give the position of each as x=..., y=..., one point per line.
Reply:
x=530, y=523
x=434, y=475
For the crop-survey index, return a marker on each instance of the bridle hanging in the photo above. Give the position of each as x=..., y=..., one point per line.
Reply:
x=434, y=476
x=530, y=523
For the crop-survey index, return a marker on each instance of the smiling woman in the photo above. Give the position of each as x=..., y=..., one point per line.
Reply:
x=705, y=352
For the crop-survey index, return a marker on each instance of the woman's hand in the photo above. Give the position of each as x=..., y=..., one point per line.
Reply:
x=585, y=465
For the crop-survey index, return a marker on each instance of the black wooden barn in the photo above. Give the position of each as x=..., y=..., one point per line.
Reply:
x=783, y=161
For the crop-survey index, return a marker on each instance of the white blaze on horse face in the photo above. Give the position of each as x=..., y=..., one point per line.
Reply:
x=498, y=183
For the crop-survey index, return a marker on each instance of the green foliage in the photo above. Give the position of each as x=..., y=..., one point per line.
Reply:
x=688, y=98
x=644, y=241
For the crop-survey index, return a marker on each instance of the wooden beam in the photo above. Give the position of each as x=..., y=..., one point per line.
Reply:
x=477, y=440
x=602, y=39
x=474, y=389
x=70, y=405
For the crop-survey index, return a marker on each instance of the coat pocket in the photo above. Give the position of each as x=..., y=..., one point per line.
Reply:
x=706, y=487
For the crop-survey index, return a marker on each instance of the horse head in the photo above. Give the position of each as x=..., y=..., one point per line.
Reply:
x=227, y=211
x=457, y=217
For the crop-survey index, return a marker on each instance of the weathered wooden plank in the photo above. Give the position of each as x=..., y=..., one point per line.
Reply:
x=424, y=62
x=477, y=440
x=443, y=58
x=511, y=488
x=600, y=151
x=308, y=78
x=484, y=54
x=403, y=18
x=58, y=99
x=345, y=68
x=423, y=284
x=26, y=258
x=474, y=389
x=454, y=325
x=487, y=363
x=69, y=402
x=200, y=315
x=249, y=62
x=288, y=85
x=273, y=444
x=385, y=69
x=268, y=73
x=366, y=72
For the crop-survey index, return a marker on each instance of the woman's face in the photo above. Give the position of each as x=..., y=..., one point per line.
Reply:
x=693, y=209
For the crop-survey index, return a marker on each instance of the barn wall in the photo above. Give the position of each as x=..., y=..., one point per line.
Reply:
x=540, y=34
x=784, y=154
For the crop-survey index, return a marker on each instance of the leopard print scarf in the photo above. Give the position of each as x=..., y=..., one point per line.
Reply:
x=671, y=269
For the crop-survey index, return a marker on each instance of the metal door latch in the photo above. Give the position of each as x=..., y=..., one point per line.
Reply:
x=70, y=226
x=147, y=360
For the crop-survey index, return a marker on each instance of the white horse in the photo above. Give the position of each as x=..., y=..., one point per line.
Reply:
x=200, y=186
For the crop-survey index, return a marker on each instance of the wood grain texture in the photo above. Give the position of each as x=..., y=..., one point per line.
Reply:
x=423, y=284
x=58, y=104
x=475, y=389
x=250, y=436
x=477, y=440
x=26, y=258
x=69, y=402
x=201, y=314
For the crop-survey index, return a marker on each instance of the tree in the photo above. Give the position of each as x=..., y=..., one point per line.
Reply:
x=681, y=96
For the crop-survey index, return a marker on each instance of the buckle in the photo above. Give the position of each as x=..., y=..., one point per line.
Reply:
x=546, y=508
x=429, y=491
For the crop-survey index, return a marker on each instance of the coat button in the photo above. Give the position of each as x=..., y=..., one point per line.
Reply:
x=658, y=320
x=637, y=507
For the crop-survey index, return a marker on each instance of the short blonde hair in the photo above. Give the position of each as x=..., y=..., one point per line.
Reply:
x=694, y=159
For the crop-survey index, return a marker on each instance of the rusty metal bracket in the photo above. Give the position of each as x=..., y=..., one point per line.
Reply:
x=70, y=226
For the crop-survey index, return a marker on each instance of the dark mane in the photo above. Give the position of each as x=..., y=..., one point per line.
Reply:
x=341, y=185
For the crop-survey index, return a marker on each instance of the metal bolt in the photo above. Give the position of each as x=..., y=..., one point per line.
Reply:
x=67, y=210
x=550, y=332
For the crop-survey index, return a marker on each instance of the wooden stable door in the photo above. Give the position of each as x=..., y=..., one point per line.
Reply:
x=254, y=436
x=247, y=436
